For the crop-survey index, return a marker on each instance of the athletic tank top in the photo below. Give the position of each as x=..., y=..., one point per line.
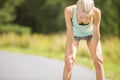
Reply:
x=80, y=30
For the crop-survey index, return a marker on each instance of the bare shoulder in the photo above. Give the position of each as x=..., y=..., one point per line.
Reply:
x=97, y=15
x=97, y=12
x=69, y=10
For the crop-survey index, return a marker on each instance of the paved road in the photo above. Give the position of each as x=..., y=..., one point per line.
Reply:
x=26, y=67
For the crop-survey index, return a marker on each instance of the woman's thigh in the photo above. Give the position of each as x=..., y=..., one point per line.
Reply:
x=75, y=45
x=95, y=50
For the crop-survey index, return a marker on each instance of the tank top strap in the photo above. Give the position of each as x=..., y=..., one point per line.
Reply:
x=74, y=15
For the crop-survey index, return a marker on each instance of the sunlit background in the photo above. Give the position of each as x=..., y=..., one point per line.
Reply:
x=37, y=27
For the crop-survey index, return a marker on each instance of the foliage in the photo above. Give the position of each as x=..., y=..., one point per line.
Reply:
x=7, y=10
x=110, y=17
x=14, y=28
x=36, y=42
x=47, y=16
x=111, y=53
x=42, y=15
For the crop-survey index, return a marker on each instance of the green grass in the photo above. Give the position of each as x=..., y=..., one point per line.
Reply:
x=53, y=46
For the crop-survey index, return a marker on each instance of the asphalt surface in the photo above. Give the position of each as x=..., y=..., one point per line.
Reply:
x=16, y=66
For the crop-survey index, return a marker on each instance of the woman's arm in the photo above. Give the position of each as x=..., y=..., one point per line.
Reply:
x=96, y=32
x=69, y=31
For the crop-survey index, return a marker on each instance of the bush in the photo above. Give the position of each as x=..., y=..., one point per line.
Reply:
x=14, y=28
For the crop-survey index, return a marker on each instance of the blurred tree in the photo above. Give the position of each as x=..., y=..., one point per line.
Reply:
x=110, y=16
x=44, y=16
x=7, y=10
x=117, y=4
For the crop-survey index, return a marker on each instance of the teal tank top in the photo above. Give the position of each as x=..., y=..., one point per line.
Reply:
x=80, y=30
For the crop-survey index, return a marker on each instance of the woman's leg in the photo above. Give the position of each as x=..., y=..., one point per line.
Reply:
x=97, y=59
x=69, y=61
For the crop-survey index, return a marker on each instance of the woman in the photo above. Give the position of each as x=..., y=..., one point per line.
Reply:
x=83, y=23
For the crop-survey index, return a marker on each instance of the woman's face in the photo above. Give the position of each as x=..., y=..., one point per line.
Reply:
x=83, y=17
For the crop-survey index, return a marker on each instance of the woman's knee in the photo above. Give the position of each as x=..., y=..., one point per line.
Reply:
x=69, y=62
x=98, y=60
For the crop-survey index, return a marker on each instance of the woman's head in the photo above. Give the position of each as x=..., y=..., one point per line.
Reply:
x=85, y=6
x=85, y=10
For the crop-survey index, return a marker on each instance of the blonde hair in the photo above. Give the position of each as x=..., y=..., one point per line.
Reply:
x=85, y=5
